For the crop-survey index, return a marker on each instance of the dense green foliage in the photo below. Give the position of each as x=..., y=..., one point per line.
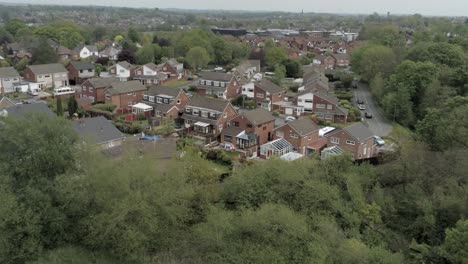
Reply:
x=62, y=203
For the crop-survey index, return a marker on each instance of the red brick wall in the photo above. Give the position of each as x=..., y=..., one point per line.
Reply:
x=258, y=90
x=343, y=136
x=72, y=72
x=233, y=90
x=261, y=131
x=184, y=100
x=298, y=143
x=230, y=113
x=28, y=75
x=122, y=100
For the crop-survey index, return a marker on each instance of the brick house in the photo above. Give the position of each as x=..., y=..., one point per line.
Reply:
x=326, y=108
x=8, y=77
x=64, y=54
x=326, y=61
x=80, y=71
x=150, y=74
x=6, y=102
x=266, y=94
x=167, y=102
x=173, y=68
x=342, y=59
x=222, y=85
x=53, y=75
x=207, y=117
x=122, y=70
x=299, y=133
x=257, y=125
x=356, y=139
x=93, y=88
x=124, y=94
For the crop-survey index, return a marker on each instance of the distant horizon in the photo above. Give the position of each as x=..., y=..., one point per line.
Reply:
x=202, y=5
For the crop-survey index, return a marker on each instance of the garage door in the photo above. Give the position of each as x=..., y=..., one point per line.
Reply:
x=289, y=111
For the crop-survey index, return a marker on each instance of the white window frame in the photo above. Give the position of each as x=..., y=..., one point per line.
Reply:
x=292, y=135
x=335, y=140
x=350, y=142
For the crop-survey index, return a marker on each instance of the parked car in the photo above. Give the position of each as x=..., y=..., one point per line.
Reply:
x=218, y=69
x=368, y=115
x=360, y=101
x=190, y=78
x=379, y=141
x=290, y=118
x=361, y=107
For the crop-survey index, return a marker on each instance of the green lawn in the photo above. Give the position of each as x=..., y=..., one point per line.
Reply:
x=19, y=96
x=177, y=83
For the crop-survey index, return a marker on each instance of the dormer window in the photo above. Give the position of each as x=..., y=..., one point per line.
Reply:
x=158, y=100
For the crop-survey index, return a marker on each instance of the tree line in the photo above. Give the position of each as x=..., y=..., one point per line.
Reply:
x=61, y=202
x=420, y=80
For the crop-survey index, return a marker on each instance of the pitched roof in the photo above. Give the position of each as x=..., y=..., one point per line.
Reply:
x=98, y=129
x=152, y=66
x=8, y=72
x=258, y=116
x=126, y=87
x=173, y=62
x=125, y=65
x=163, y=90
x=303, y=126
x=232, y=131
x=47, y=68
x=82, y=65
x=359, y=131
x=330, y=98
x=61, y=50
x=208, y=103
x=20, y=110
x=8, y=100
x=91, y=48
x=268, y=86
x=217, y=76
x=102, y=82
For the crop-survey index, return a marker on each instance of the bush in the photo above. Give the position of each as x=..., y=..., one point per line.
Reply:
x=275, y=113
x=141, y=116
x=250, y=104
x=344, y=95
x=354, y=114
x=193, y=88
x=105, y=107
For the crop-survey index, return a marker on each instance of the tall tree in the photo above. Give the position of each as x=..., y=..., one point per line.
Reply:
x=126, y=55
x=72, y=106
x=43, y=53
x=197, y=57
x=274, y=56
x=145, y=54
x=59, y=106
x=456, y=243
x=133, y=35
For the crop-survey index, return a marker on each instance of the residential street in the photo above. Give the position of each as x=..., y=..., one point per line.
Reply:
x=377, y=124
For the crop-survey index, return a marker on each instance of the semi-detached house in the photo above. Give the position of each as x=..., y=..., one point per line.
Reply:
x=222, y=85
x=356, y=139
x=8, y=77
x=52, y=75
x=207, y=117
x=124, y=94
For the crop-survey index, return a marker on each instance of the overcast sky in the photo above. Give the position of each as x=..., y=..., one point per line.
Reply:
x=425, y=7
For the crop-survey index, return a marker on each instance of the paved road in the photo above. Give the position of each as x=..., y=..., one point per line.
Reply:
x=378, y=124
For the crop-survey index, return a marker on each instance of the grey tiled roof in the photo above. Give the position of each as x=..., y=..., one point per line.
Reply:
x=269, y=86
x=8, y=72
x=82, y=65
x=163, y=90
x=359, y=131
x=304, y=126
x=22, y=109
x=47, y=68
x=208, y=103
x=126, y=87
x=258, y=116
x=97, y=129
x=102, y=82
x=217, y=76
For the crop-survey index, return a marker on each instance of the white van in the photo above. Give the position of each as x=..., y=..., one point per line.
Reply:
x=64, y=91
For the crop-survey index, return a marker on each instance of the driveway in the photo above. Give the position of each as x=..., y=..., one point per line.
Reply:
x=377, y=124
